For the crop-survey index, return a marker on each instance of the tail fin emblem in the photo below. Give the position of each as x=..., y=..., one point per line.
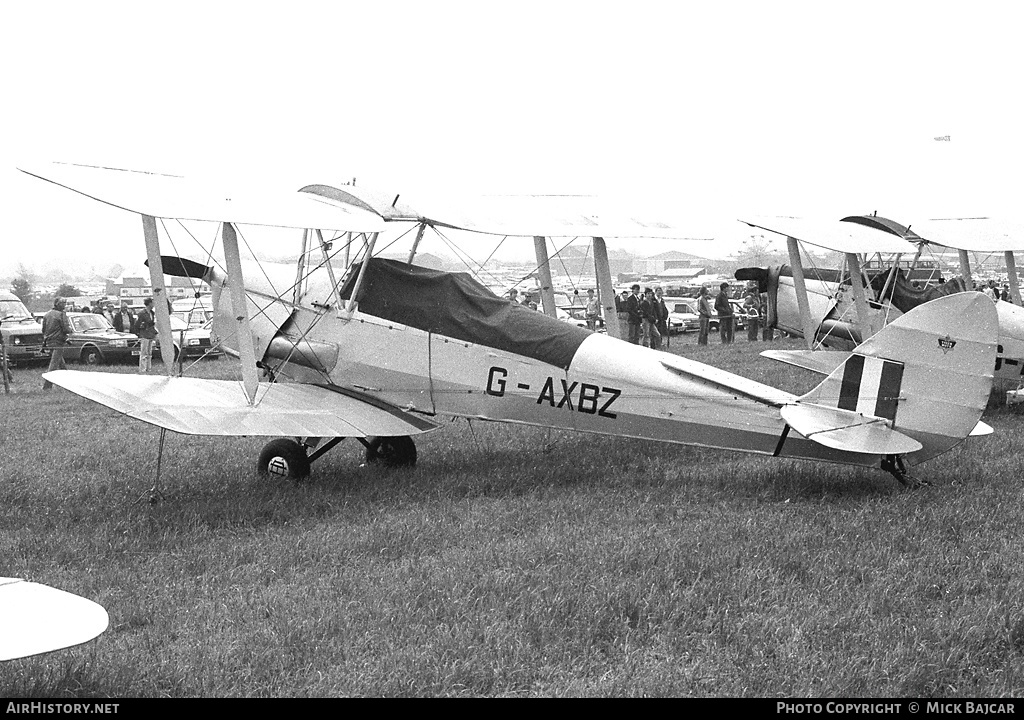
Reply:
x=946, y=344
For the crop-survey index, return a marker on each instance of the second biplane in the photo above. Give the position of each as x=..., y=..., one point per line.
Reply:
x=384, y=349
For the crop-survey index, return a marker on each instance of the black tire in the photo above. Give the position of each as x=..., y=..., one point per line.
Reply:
x=399, y=451
x=91, y=356
x=283, y=458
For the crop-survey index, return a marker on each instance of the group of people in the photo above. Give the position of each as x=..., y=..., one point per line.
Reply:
x=996, y=293
x=646, y=316
x=57, y=328
x=752, y=315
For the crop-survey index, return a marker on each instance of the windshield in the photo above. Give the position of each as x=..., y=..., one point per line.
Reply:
x=84, y=323
x=13, y=309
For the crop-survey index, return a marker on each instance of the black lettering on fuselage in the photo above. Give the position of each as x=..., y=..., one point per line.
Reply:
x=496, y=381
x=567, y=394
x=603, y=412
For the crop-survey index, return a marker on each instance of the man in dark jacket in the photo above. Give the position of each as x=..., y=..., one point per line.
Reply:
x=633, y=317
x=649, y=313
x=56, y=328
x=124, y=320
x=724, y=309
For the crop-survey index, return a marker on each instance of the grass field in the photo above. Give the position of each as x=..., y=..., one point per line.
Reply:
x=512, y=561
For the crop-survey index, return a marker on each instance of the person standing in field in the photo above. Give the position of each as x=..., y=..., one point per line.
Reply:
x=649, y=313
x=145, y=328
x=724, y=309
x=704, y=313
x=593, y=311
x=124, y=320
x=56, y=328
x=662, y=309
x=752, y=313
x=633, y=317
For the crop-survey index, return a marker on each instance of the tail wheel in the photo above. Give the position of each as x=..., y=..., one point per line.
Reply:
x=397, y=451
x=283, y=458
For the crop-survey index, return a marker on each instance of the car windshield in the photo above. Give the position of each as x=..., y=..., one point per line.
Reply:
x=84, y=323
x=178, y=324
x=13, y=309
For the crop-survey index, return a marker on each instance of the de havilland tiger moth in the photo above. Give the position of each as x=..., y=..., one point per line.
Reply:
x=383, y=350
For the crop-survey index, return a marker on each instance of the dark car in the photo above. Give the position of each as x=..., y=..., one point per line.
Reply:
x=94, y=341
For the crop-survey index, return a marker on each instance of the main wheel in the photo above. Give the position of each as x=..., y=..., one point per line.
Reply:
x=399, y=451
x=283, y=458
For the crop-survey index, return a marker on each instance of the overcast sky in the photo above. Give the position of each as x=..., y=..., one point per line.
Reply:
x=710, y=110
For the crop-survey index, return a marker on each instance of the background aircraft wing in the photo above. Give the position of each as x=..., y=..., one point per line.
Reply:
x=834, y=235
x=172, y=196
x=37, y=618
x=973, y=234
x=195, y=406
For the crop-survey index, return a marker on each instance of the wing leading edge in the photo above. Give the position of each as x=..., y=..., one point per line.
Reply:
x=196, y=406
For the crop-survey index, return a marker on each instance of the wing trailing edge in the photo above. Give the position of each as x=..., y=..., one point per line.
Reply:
x=195, y=406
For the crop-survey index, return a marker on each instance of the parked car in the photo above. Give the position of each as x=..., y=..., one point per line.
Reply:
x=20, y=333
x=195, y=339
x=682, y=315
x=94, y=341
x=577, y=316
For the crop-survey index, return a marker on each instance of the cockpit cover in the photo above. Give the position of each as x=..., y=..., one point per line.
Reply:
x=457, y=306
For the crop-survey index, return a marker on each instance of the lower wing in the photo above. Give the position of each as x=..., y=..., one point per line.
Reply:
x=195, y=406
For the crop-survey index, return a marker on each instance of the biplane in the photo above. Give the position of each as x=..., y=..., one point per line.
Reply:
x=383, y=350
x=838, y=308
x=37, y=619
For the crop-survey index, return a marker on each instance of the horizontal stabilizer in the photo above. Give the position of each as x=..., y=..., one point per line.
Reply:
x=981, y=429
x=37, y=618
x=823, y=362
x=196, y=406
x=847, y=430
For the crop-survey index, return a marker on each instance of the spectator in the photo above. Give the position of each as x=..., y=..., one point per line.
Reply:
x=752, y=315
x=145, y=328
x=662, y=309
x=633, y=316
x=724, y=309
x=649, y=313
x=593, y=311
x=704, y=313
x=56, y=328
x=124, y=321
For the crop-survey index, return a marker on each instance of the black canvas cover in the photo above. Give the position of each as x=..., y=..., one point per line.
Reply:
x=457, y=306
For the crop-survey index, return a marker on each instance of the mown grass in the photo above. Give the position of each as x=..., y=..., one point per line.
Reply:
x=512, y=561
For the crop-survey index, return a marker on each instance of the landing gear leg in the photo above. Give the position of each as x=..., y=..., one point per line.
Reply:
x=897, y=467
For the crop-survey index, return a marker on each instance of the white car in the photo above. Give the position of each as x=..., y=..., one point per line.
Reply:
x=682, y=315
x=197, y=340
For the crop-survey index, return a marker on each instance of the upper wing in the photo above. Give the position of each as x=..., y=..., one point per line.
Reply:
x=37, y=618
x=518, y=215
x=196, y=406
x=172, y=196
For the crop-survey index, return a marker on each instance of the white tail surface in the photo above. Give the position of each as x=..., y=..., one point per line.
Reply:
x=927, y=374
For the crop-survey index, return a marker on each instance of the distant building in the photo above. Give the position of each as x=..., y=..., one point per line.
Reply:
x=134, y=287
